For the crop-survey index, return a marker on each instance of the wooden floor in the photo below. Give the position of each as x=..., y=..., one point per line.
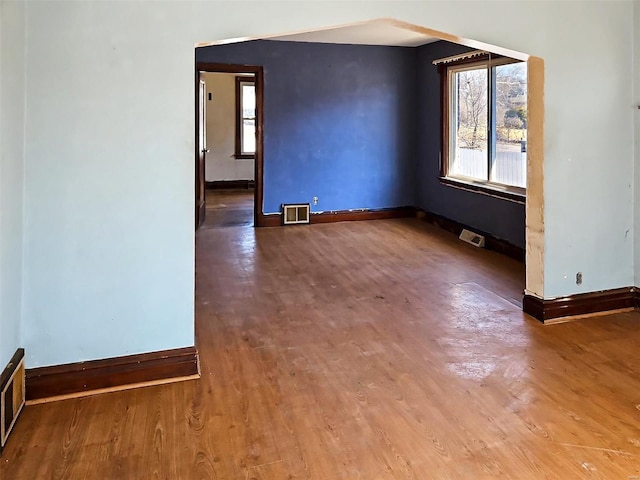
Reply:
x=364, y=350
x=228, y=208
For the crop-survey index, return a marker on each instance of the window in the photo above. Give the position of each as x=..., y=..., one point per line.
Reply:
x=485, y=124
x=245, y=117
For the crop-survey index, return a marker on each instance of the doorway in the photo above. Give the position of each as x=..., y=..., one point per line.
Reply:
x=229, y=145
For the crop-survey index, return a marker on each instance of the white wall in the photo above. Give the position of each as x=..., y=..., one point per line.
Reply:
x=109, y=182
x=12, y=97
x=589, y=149
x=109, y=168
x=221, y=163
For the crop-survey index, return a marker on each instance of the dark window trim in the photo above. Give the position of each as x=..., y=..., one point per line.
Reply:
x=513, y=194
x=239, y=154
x=507, y=192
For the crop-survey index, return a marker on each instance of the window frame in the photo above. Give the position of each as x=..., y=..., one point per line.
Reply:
x=495, y=189
x=239, y=152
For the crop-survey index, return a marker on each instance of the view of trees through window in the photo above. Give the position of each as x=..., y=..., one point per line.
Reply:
x=488, y=123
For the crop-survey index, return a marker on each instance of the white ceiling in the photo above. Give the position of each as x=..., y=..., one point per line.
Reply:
x=382, y=31
x=379, y=32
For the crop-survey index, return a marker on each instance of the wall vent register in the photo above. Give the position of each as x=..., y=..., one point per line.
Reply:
x=295, y=213
x=472, y=238
x=12, y=395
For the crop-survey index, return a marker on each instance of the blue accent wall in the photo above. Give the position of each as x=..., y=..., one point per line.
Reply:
x=359, y=127
x=501, y=218
x=339, y=122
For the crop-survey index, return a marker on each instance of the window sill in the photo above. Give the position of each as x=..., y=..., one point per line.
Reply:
x=244, y=156
x=513, y=194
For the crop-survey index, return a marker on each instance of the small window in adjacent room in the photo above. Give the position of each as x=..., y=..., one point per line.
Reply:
x=484, y=120
x=245, y=117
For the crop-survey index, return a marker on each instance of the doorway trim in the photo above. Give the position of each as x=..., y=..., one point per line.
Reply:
x=259, y=219
x=534, y=203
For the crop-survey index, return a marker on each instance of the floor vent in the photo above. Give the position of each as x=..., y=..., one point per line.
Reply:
x=295, y=213
x=472, y=238
x=11, y=395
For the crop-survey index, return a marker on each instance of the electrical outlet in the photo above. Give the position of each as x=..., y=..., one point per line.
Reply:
x=315, y=200
x=579, y=278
